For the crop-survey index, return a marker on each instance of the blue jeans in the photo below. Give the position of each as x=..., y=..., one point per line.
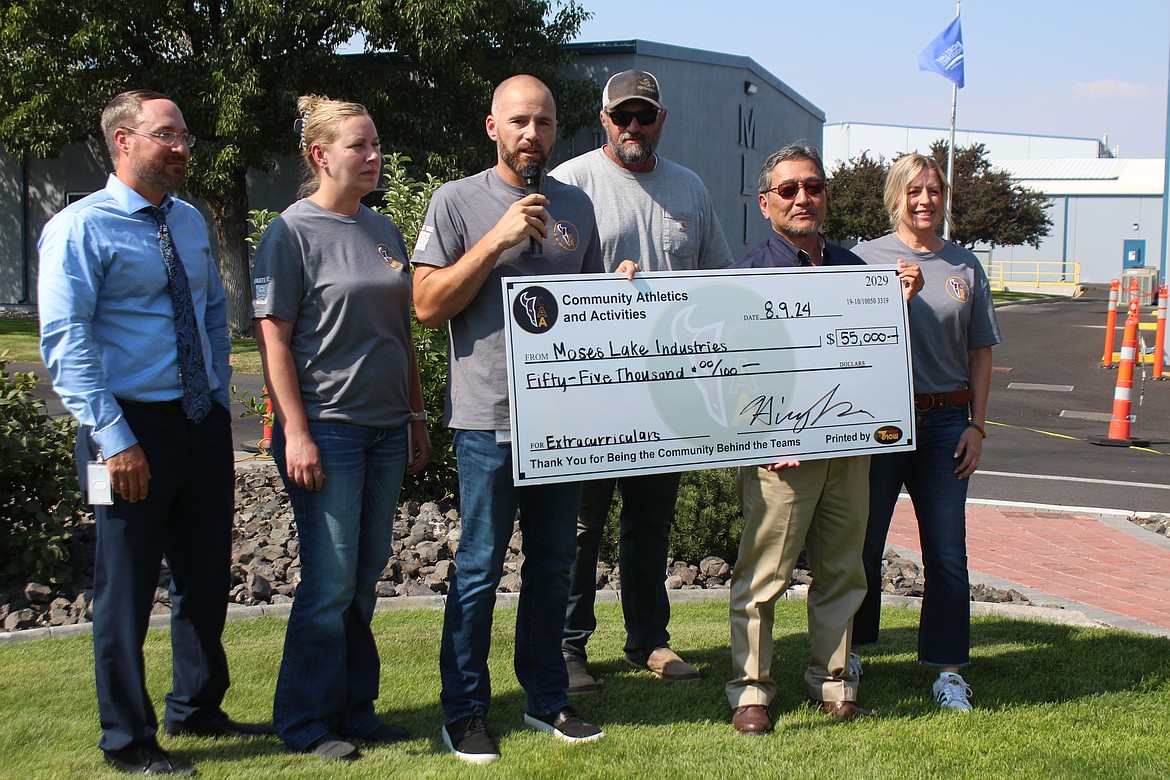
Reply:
x=488, y=504
x=647, y=513
x=939, y=498
x=329, y=675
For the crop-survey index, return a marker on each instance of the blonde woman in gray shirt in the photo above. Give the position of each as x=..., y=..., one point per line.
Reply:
x=952, y=331
x=332, y=296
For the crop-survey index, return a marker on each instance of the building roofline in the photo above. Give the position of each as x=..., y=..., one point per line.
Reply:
x=671, y=52
x=965, y=130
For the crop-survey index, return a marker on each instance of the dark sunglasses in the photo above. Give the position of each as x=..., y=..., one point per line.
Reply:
x=647, y=116
x=787, y=191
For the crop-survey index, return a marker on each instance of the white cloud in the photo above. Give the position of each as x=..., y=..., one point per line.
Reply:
x=1110, y=88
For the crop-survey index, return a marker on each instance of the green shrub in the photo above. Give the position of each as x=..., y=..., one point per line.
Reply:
x=405, y=203
x=440, y=479
x=707, y=519
x=39, y=494
x=259, y=220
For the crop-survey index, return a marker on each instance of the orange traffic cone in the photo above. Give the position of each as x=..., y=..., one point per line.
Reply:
x=1111, y=324
x=1123, y=394
x=266, y=435
x=1160, y=334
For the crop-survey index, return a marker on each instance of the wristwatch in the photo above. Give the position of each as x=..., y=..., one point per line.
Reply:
x=419, y=416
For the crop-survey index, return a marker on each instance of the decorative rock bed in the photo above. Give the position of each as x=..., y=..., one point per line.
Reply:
x=266, y=561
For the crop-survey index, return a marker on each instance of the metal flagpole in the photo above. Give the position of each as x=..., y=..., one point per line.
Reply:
x=951, y=148
x=951, y=163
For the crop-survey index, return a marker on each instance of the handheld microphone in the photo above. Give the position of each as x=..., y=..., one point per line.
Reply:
x=531, y=176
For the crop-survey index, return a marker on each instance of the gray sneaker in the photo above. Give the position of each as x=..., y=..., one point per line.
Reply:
x=332, y=745
x=565, y=724
x=580, y=681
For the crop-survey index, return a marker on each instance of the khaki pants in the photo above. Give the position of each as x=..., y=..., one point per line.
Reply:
x=823, y=506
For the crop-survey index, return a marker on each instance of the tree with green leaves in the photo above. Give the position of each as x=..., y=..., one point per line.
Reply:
x=854, y=212
x=988, y=208
x=236, y=68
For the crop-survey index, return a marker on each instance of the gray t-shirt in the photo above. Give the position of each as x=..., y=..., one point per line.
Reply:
x=663, y=219
x=460, y=214
x=343, y=284
x=953, y=313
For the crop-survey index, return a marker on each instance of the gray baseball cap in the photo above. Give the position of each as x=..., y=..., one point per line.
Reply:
x=631, y=85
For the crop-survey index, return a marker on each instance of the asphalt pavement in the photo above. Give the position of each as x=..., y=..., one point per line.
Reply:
x=1049, y=395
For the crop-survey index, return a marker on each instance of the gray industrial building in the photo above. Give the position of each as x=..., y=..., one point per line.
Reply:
x=726, y=114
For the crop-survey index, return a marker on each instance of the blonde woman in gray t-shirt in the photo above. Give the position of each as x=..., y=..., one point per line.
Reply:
x=332, y=295
x=952, y=331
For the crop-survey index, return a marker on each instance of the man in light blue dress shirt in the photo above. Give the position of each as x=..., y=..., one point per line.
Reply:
x=108, y=338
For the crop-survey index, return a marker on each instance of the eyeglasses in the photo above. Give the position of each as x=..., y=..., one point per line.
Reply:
x=647, y=116
x=170, y=139
x=788, y=190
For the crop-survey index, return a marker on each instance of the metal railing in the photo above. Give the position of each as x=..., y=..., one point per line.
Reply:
x=1042, y=275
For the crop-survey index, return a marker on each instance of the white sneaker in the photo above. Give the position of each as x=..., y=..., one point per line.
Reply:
x=952, y=692
x=854, y=667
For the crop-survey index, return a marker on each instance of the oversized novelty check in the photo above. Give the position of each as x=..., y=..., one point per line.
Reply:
x=694, y=370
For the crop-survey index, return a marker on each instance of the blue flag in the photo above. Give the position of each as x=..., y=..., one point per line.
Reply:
x=944, y=55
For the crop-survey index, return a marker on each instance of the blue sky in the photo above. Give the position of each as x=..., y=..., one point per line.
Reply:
x=1050, y=67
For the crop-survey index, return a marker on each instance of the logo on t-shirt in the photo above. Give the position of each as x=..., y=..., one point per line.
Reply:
x=566, y=235
x=535, y=309
x=260, y=288
x=424, y=238
x=957, y=288
x=387, y=257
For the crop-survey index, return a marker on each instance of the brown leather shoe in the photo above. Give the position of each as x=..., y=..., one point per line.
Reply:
x=751, y=719
x=580, y=681
x=844, y=710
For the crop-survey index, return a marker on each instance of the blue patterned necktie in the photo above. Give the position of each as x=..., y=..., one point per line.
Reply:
x=192, y=369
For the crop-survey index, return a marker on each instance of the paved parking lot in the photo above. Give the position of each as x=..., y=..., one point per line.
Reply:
x=1049, y=395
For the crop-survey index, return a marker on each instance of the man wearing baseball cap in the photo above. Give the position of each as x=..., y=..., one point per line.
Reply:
x=659, y=215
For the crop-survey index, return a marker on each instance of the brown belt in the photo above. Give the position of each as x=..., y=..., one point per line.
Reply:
x=924, y=402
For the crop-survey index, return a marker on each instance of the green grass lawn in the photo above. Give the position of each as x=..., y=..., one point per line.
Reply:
x=1052, y=701
x=21, y=339
x=246, y=357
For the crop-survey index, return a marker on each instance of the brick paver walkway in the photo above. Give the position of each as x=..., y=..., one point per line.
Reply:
x=1081, y=557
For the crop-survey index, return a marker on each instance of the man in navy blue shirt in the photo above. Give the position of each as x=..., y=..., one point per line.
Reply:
x=126, y=283
x=822, y=504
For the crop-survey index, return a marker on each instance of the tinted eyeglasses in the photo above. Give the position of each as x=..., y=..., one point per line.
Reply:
x=647, y=116
x=788, y=190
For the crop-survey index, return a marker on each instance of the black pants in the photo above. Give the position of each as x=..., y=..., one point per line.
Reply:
x=648, y=502
x=187, y=517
